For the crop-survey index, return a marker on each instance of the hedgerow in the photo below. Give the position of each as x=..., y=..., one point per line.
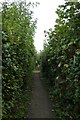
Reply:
x=18, y=53
x=61, y=62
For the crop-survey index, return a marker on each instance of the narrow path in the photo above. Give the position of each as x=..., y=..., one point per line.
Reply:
x=40, y=103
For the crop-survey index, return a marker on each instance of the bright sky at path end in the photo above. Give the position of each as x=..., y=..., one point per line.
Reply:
x=45, y=13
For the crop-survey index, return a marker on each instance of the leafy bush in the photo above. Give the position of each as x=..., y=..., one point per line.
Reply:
x=18, y=54
x=61, y=61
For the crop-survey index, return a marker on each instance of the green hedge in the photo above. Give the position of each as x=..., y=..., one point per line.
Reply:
x=18, y=53
x=61, y=62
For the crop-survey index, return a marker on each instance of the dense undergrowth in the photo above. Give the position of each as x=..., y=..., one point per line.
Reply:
x=60, y=62
x=18, y=54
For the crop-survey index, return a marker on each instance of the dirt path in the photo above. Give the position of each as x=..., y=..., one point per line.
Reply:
x=40, y=103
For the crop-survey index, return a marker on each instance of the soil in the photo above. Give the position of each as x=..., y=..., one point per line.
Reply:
x=40, y=103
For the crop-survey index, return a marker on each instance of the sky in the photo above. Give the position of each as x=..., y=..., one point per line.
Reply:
x=45, y=13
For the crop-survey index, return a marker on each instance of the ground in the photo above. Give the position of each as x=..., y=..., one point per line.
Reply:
x=40, y=103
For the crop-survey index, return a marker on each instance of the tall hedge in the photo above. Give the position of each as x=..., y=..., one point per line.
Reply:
x=61, y=61
x=18, y=54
